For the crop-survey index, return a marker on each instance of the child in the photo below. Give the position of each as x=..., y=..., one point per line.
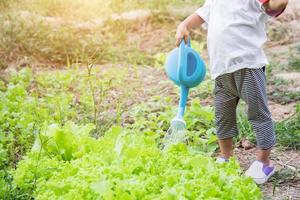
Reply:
x=236, y=34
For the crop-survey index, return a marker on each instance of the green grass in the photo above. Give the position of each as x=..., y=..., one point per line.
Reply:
x=288, y=131
x=294, y=62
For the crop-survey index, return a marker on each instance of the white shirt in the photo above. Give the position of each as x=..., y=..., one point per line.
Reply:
x=236, y=34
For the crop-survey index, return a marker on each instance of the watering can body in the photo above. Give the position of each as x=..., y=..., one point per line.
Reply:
x=184, y=66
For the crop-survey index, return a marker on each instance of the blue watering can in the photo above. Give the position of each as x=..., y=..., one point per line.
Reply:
x=186, y=69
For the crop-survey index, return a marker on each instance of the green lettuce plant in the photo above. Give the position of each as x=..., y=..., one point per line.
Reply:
x=125, y=164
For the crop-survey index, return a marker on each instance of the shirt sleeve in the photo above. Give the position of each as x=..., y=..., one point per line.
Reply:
x=203, y=12
x=269, y=12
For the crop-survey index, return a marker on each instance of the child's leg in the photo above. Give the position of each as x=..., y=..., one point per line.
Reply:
x=225, y=113
x=253, y=92
x=226, y=147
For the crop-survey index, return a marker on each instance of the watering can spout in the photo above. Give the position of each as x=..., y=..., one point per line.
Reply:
x=184, y=92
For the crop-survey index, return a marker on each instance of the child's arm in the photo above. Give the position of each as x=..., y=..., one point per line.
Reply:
x=276, y=4
x=184, y=27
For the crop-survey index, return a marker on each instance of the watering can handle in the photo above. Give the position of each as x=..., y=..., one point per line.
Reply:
x=181, y=57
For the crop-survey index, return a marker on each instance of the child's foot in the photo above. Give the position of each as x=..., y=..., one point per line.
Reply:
x=221, y=160
x=259, y=172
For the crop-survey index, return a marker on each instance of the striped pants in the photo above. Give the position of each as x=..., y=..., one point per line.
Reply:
x=250, y=86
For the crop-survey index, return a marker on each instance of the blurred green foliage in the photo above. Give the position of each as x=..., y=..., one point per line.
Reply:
x=61, y=31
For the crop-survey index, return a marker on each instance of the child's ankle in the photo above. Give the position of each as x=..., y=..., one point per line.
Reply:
x=265, y=162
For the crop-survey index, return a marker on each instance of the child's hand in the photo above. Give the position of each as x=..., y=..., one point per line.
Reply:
x=276, y=4
x=183, y=29
x=182, y=33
